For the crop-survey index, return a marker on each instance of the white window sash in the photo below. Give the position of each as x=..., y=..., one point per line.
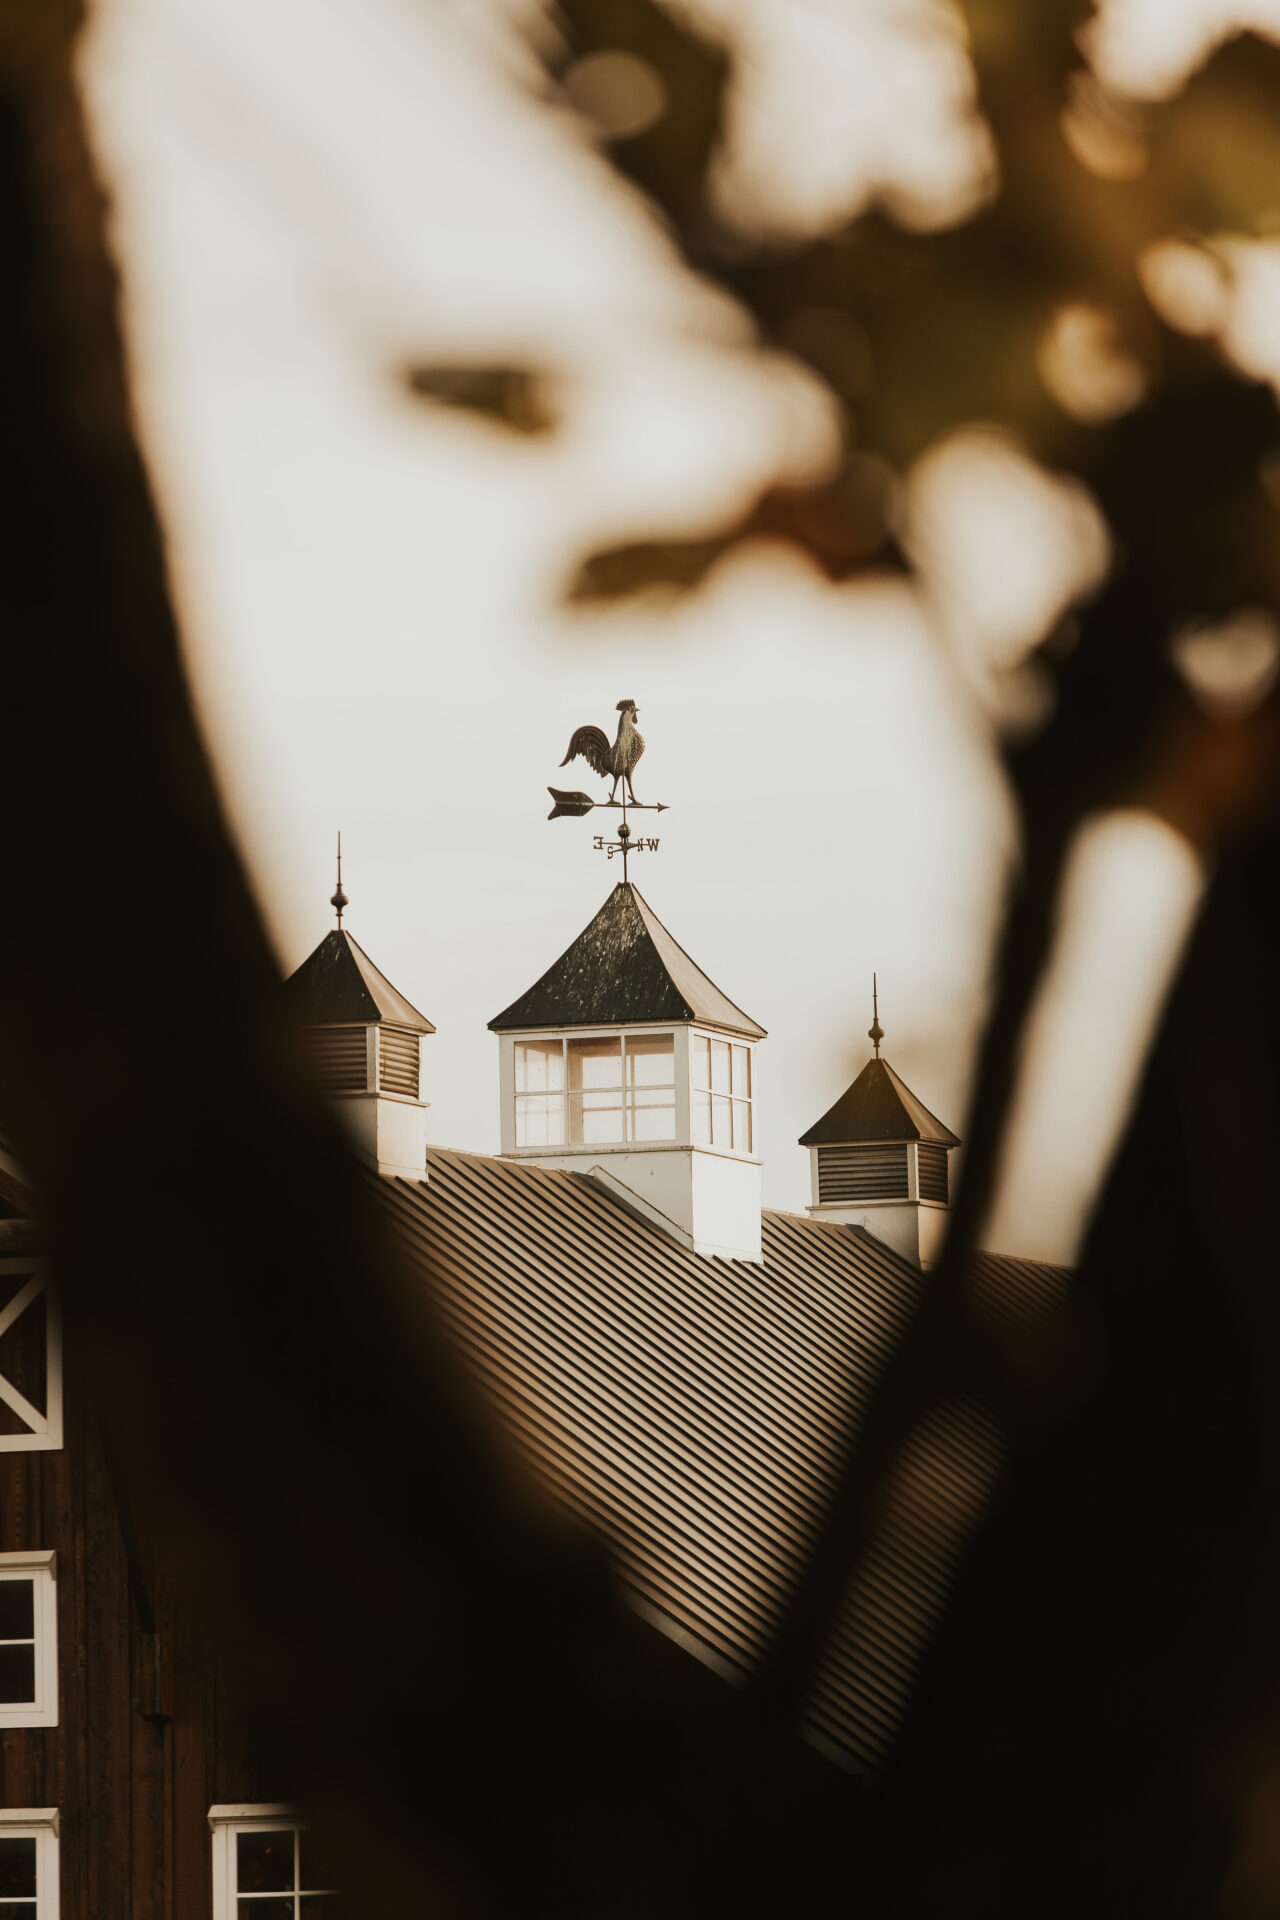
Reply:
x=42, y=1569
x=41, y=1825
x=565, y=1095
x=227, y=1823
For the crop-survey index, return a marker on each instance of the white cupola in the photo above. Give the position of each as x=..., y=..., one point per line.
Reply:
x=625, y=1062
x=878, y=1159
x=364, y=1041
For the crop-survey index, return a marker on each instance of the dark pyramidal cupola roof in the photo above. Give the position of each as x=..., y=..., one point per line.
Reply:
x=339, y=984
x=623, y=969
x=877, y=1107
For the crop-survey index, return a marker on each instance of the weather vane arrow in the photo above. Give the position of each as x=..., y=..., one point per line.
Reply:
x=618, y=763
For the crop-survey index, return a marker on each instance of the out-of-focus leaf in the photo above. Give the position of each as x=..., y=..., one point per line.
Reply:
x=668, y=160
x=845, y=527
x=1218, y=144
x=616, y=572
x=513, y=397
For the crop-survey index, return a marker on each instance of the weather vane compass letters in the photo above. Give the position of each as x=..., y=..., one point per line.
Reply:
x=617, y=763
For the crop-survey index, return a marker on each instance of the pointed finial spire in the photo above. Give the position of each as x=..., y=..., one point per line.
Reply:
x=338, y=899
x=875, y=1032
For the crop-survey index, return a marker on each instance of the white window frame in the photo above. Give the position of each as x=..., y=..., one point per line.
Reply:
x=41, y=1568
x=41, y=1825
x=226, y=1823
x=731, y=1040
x=45, y=1429
x=626, y=1102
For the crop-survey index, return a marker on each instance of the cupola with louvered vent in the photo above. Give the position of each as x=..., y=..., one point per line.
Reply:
x=363, y=1041
x=878, y=1159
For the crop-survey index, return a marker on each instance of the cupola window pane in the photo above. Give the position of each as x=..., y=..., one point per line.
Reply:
x=651, y=1086
x=607, y=1090
x=721, y=1095
x=540, y=1093
x=539, y=1066
x=595, y=1091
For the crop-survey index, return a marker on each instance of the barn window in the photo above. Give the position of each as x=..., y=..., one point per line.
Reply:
x=30, y=1359
x=722, y=1094
x=263, y=1866
x=28, y=1641
x=29, y=1863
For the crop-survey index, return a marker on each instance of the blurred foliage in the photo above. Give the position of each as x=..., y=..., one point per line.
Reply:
x=1096, y=1728
x=508, y=396
x=915, y=334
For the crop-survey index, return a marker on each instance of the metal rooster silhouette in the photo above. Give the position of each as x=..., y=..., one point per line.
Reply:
x=617, y=761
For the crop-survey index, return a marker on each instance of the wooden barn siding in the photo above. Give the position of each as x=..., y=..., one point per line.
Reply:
x=133, y=1791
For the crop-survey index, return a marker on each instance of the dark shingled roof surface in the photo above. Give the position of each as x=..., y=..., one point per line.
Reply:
x=877, y=1107
x=339, y=983
x=624, y=967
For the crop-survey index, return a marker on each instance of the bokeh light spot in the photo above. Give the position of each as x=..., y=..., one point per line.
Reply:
x=621, y=93
x=1188, y=284
x=1231, y=665
x=1084, y=366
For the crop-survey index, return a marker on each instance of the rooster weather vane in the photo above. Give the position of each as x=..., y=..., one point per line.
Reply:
x=617, y=763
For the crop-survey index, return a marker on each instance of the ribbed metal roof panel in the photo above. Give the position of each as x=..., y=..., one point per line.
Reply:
x=688, y=1407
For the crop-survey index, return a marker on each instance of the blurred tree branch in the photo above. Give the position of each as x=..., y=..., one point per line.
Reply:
x=128, y=904
x=955, y=324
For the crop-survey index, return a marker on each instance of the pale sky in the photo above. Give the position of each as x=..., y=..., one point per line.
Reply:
x=307, y=198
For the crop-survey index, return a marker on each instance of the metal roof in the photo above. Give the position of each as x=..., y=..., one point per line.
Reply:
x=689, y=1407
x=339, y=984
x=877, y=1107
x=624, y=967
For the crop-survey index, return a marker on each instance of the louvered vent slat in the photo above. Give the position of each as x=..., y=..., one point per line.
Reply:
x=849, y=1174
x=398, y=1061
x=933, y=1172
x=338, y=1057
